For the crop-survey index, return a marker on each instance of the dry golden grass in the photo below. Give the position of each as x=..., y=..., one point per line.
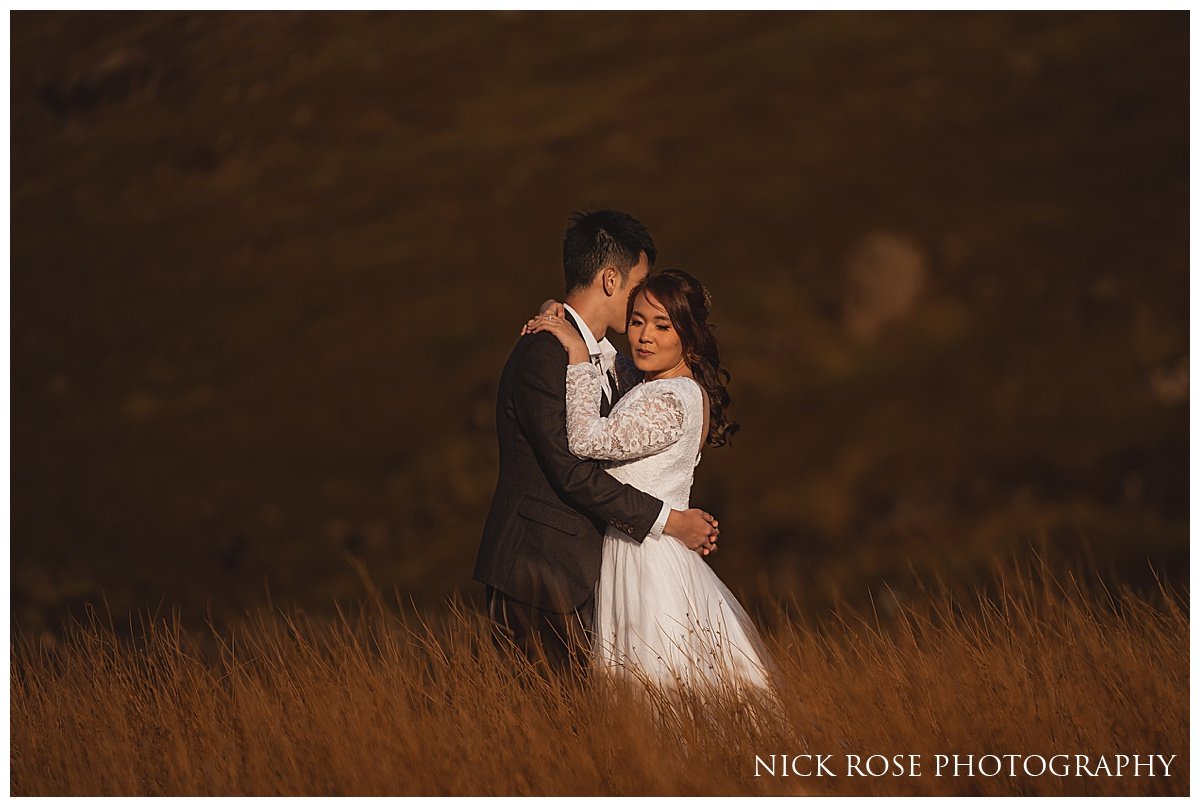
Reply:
x=380, y=702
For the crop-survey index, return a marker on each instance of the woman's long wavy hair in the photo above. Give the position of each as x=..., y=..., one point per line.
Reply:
x=688, y=304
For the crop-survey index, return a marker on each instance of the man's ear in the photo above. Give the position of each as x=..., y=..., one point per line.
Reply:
x=608, y=280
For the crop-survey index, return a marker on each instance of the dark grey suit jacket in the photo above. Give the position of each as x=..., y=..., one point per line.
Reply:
x=543, y=537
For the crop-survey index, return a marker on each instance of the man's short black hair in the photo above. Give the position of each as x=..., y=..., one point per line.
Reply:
x=603, y=238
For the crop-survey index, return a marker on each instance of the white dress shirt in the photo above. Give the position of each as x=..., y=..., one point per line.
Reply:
x=602, y=353
x=606, y=354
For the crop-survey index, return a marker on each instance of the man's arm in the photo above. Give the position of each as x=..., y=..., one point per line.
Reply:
x=539, y=401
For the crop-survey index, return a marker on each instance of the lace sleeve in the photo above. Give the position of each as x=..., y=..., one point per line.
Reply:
x=638, y=428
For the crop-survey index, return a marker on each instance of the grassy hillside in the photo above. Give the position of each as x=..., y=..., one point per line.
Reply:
x=266, y=268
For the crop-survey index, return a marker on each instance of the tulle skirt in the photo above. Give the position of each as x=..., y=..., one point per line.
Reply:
x=664, y=617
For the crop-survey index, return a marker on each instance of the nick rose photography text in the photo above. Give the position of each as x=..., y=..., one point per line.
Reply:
x=964, y=765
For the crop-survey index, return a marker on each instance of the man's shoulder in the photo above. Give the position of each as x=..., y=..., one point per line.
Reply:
x=627, y=372
x=538, y=349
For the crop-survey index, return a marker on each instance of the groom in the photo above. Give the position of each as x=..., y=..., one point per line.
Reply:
x=539, y=558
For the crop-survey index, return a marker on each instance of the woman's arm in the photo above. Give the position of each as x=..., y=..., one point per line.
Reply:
x=539, y=400
x=638, y=428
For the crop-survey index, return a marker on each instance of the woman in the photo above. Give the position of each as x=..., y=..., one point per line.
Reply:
x=662, y=615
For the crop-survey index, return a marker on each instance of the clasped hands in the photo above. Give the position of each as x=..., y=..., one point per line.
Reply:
x=695, y=529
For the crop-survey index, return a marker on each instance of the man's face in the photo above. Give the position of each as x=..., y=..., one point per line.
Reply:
x=620, y=300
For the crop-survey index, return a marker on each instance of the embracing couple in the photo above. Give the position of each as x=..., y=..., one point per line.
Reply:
x=591, y=555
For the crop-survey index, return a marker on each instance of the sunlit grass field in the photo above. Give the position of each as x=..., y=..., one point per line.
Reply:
x=383, y=699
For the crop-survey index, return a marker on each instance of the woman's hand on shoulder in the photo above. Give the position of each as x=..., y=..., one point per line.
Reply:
x=562, y=330
x=551, y=306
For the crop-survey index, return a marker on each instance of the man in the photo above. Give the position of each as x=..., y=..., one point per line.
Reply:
x=539, y=558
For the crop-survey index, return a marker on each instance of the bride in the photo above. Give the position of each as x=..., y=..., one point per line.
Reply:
x=662, y=615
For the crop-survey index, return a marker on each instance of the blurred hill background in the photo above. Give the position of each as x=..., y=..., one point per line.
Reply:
x=266, y=267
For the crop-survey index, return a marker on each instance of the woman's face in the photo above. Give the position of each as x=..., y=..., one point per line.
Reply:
x=652, y=337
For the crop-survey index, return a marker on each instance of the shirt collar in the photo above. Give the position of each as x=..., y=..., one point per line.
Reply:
x=604, y=348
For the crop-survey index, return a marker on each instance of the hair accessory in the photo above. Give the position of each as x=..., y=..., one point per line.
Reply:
x=707, y=299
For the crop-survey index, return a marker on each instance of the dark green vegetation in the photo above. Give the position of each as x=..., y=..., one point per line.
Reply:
x=266, y=268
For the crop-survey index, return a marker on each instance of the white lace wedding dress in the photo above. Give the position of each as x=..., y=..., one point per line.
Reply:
x=661, y=614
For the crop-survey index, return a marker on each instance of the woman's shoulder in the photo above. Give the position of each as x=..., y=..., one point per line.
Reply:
x=686, y=389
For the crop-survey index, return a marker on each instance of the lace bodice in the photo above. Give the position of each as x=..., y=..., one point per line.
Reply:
x=651, y=438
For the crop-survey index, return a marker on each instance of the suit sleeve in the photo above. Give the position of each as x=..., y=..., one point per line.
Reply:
x=539, y=403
